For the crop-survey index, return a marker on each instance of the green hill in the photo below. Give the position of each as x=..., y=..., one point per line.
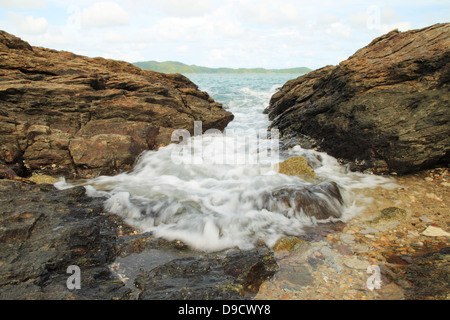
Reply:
x=178, y=67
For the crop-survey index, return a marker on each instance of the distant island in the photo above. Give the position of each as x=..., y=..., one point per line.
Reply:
x=178, y=67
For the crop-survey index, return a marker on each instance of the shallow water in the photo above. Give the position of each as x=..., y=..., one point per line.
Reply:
x=213, y=191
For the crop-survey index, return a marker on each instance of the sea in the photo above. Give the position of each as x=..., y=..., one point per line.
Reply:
x=212, y=190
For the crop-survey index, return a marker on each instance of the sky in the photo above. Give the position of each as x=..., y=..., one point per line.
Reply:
x=216, y=33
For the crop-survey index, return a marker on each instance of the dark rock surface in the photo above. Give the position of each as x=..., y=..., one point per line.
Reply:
x=65, y=114
x=321, y=201
x=231, y=275
x=429, y=276
x=385, y=108
x=43, y=231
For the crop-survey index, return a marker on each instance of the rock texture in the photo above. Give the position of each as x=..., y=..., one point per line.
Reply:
x=65, y=114
x=321, y=201
x=386, y=108
x=43, y=231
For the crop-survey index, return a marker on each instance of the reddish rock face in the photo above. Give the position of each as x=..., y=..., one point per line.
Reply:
x=386, y=108
x=65, y=114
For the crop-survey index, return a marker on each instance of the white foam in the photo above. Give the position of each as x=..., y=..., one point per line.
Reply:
x=222, y=202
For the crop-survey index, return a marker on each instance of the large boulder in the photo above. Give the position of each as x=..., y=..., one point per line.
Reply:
x=65, y=114
x=385, y=108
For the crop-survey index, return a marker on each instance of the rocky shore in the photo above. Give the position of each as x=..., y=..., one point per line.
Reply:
x=385, y=109
x=401, y=233
x=77, y=117
x=67, y=115
x=43, y=231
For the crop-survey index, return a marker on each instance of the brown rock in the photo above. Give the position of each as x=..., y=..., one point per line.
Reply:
x=385, y=108
x=297, y=166
x=57, y=109
x=288, y=244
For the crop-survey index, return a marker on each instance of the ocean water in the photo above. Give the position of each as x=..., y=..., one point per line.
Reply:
x=213, y=191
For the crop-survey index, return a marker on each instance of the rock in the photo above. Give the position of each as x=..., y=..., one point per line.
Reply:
x=385, y=108
x=288, y=244
x=10, y=174
x=428, y=276
x=7, y=173
x=356, y=263
x=295, y=166
x=43, y=231
x=210, y=277
x=369, y=230
x=391, y=214
x=43, y=179
x=321, y=201
x=297, y=275
x=62, y=114
x=431, y=231
x=347, y=238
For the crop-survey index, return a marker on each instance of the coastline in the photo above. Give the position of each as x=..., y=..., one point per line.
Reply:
x=413, y=265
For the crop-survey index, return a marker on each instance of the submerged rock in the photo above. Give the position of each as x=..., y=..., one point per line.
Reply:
x=74, y=116
x=385, y=108
x=389, y=215
x=321, y=201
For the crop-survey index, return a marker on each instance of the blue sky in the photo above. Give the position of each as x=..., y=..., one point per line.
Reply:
x=216, y=33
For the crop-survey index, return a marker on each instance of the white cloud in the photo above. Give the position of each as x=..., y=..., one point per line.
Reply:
x=182, y=49
x=114, y=37
x=271, y=13
x=209, y=27
x=327, y=19
x=102, y=14
x=27, y=24
x=23, y=4
x=289, y=12
x=382, y=19
x=175, y=8
x=216, y=33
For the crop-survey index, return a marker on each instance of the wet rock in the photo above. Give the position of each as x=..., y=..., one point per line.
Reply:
x=299, y=276
x=288, y=244
x=347, y=238
x=322, y=201
x=43, y=231
x=429, y=276
x=384, y=109
x=229, y=276
x=297, y=166
x=63, y=114
x=389, y=215
x=356, y=263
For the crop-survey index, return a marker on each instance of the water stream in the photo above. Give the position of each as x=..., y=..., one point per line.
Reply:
x=213, y=191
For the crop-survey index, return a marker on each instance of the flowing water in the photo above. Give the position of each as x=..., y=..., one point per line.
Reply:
x=213, y=191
